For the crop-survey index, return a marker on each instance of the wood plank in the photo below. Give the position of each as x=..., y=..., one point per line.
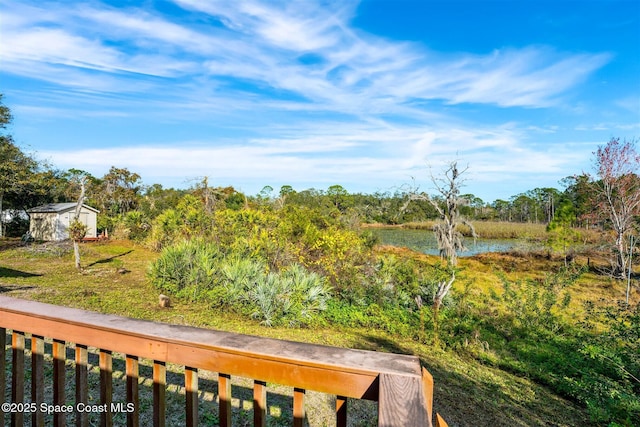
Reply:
x=159, y=392
x=341, y=411
x=37, y=378
x=133, y=395
x=259, y=403
x=58, y=350
x=298, y=407
x=82, y=383
x=191, y=395
x=17, y=375
x=106, y=387
x=224, y=399
x=401, y=402
x=3, y=375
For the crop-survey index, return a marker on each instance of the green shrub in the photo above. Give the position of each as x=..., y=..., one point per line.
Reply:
x=186, y=268
x=199, y=270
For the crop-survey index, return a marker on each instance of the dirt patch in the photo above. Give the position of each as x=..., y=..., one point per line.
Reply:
x=10, y=243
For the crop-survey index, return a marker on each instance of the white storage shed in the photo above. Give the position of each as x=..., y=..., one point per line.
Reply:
x=51, y=222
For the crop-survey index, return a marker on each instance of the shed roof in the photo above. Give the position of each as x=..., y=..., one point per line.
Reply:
x=58, y=208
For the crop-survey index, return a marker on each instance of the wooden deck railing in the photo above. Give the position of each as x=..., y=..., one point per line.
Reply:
x=401, y=387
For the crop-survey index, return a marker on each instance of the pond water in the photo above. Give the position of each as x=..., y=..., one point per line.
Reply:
x=424, y=241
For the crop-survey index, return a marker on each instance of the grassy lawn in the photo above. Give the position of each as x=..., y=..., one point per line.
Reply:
x=467, y=392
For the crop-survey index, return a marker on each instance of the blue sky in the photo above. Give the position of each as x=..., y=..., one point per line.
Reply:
x=369, y=94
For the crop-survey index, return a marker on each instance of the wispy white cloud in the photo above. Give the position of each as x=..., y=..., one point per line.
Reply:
x=326, y=99
x=264, y=43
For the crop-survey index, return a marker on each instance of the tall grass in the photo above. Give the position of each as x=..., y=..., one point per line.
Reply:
x=508, y=230
x=493, y=229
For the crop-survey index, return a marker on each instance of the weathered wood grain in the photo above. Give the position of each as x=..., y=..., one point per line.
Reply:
x=401, y=402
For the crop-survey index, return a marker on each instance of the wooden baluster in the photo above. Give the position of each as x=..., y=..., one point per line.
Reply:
x=58, y=351
x=298, y=407
x=159, y=390
x=191, y=395
x=82, y=383
x=427, y=389
x=3, y=375
x=106, y=386
x=17, y=376
x=224, y=396
x=259, y=403
x=341, y=411
x=133, y=417
x=37, y=378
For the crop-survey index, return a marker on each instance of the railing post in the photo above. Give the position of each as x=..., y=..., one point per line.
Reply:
x=58, y=352
x=298, y=407
x=259, y=403
x=37, y=378
x=341, y=411
x=133, y=417
x=82, y=384
x=224, y=396
x=191, y=395
x=17, y=376
x=159, y=390
x=106, y=386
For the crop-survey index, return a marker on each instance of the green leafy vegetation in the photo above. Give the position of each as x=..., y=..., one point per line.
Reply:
x=275, y=265
x=198, y=271
x=521, y=338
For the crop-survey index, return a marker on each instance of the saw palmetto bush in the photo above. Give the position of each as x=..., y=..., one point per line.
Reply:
x=187, y=268
x=199, y=270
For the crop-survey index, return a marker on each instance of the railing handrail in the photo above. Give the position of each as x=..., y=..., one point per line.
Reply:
x=343, y=372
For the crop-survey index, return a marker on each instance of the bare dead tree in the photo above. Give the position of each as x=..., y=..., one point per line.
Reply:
x=77, y=230
x=448, y=203
x=448, y=237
